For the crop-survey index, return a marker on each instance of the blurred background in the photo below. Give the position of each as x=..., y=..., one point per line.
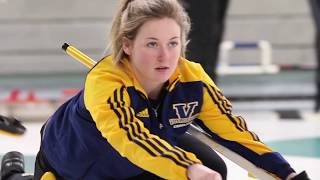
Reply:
x=266, y=68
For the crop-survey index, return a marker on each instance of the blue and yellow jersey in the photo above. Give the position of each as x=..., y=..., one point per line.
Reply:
x=111, y=131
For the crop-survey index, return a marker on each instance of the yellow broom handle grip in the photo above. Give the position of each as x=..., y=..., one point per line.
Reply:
x=78, y=55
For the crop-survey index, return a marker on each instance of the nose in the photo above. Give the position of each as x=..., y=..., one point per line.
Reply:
x=163, y=53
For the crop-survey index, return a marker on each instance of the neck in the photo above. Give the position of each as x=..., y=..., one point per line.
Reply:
x=153, y=90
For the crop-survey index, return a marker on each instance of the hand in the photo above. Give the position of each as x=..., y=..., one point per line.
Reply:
x=201, y=172
x=301, y=176
x=291, y=175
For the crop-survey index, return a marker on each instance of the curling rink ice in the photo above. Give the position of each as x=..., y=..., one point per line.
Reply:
x=303, y=152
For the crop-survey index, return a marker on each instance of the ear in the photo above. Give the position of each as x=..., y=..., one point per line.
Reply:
x=126, y=45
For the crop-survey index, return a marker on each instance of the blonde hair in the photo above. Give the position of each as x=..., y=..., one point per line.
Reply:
x=132, y=14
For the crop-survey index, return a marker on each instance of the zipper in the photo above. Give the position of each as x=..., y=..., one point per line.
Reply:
x=154, y=113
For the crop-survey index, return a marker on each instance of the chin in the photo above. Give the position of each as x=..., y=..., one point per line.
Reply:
x=162, y=79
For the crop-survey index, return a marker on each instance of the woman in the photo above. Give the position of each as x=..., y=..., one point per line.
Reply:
x=129, y=121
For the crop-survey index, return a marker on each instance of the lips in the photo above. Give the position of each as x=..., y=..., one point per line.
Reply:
x=162, y=68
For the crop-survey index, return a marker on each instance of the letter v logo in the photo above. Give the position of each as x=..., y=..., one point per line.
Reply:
x=185, y=110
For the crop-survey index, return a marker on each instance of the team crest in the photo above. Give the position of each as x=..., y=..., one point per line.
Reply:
x=185, y=114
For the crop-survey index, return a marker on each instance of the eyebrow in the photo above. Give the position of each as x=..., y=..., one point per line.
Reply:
x=152, y=38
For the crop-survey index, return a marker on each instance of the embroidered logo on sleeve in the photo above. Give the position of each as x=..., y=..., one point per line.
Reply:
x=185, y=114
x=144, y=113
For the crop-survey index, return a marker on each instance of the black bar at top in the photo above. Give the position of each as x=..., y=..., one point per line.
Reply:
x=65, y=46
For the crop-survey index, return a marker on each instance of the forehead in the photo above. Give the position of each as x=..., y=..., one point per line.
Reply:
x=159, y=28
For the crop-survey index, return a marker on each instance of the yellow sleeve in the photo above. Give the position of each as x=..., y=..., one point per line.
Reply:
x=216, y=115
x=116, y=120
x=231, y=131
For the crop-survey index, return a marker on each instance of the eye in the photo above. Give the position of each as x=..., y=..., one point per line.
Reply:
x=173, y=44
x=152, y=44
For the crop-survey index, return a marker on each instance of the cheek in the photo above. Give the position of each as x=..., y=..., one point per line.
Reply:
x=147, y=54
x=143, y=58
x=176, y=52
x=175, y=55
